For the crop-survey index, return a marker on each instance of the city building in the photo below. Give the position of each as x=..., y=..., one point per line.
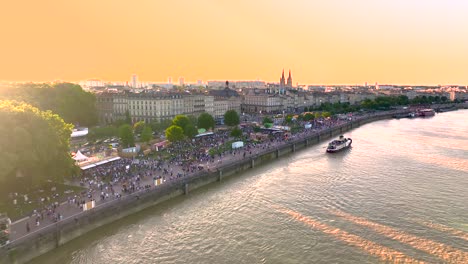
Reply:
x=151, y=105
x=224, y=100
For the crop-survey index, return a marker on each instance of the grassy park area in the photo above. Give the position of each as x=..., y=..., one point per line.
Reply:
x=51, y=192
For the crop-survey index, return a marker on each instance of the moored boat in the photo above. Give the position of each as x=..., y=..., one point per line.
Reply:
x=426, y=112
x=447, y=109
x=339, y=144
x=405, y=115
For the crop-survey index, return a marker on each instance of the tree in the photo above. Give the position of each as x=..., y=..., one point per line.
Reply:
x=102, y=132
x=68, y=100
x=190, y=131
x=128, y=119
x=181, y=121
x=236, y=132
x=160, y=126
x=326, y=114
x=267, y=120
x=193, y=120
x=206, y=121
x=146, y=134
x=317, y=115
x=174, y=133
x=138, y=127
x=309, y=117
x=231, y=118
x=126, y=136
x=35, y=147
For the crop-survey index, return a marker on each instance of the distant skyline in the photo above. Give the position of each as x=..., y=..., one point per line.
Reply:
x=411, y=42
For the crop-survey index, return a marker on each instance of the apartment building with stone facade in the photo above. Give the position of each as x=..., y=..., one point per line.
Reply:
x=150, y=106
x=225, y=100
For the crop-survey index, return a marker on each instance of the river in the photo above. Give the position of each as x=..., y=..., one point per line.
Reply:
x=399, y=194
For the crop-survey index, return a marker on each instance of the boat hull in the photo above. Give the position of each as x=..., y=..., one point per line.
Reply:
x=347, y=145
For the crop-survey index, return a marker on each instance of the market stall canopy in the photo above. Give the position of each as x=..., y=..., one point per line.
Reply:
x=80, y=157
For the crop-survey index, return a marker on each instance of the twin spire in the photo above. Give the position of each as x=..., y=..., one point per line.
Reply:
x=283, y=83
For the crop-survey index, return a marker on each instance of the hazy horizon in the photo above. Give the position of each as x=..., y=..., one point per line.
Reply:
x=418, y=42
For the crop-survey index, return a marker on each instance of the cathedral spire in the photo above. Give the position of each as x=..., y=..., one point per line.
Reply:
x=282, y=81
x=289, y=80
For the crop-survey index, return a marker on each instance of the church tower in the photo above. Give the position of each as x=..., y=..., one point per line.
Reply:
x=282, y=81
x=289, y=79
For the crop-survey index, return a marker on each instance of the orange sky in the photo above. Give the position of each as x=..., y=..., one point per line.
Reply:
x=322, y=42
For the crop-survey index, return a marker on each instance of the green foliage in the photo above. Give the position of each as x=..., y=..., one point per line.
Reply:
x=236, y=132
x=206, y=121
x=138, y=127
x=174, y=133
x=160, y=126
x=34, y=147
x=308, y=117
x=102, y=132
x=126, y=136
x=326, y=114
x=379, y=103
x=181, y=121
x=317, y=115
x=267, y=120
x=288, y=119
x=256, y=129
x=190, y=131
x=146, y=134
x=68, y=100
x=231, y=118
x=193, y=119
x=117, y=123
x=128, y=119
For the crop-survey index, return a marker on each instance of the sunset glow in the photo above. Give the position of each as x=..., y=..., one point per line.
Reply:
x=322, y=42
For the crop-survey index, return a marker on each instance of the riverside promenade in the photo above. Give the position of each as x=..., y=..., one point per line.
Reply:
x=72, y=214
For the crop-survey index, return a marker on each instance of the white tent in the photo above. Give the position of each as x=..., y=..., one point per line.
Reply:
x=80, y=157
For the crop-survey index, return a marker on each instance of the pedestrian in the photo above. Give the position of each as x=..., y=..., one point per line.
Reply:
x=27, y=227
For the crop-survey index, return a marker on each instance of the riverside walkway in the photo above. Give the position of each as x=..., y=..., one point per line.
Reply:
x=28, y=226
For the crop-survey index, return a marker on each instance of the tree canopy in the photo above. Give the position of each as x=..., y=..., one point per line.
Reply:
x=35, y=146
x=236, y=132
x=267, y=120
x=160, y=126
x=174, y=133
x=190, y=131
x=181, y=121
x=308, y=116
x=206, y=121
x=67, y=100
x=102, y=132
x=126, y=136
x=138, y=127
x=146, y=134
x=231, y=118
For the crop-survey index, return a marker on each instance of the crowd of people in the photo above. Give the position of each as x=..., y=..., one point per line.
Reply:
x=180, y=159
